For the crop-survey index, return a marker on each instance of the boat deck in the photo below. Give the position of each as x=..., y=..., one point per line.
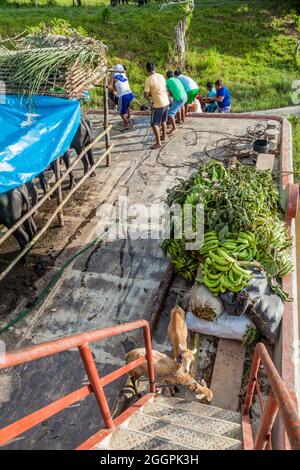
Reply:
x=111, y=284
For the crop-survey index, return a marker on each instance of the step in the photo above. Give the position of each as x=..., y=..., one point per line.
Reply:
x=200, y=409
x=182, y=435
x=131, y=439
x=227, y=375
x=193, y=421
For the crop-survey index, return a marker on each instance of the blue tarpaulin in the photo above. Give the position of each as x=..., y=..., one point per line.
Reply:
x=31, y=137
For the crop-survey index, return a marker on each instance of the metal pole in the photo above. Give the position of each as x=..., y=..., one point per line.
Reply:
x=264, y=432
x=60, y=215
x=93, y=376
x=147, y=337
x=252, y=382
x=106, y=118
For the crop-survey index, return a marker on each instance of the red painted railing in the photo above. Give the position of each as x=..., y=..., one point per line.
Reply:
x=280, y=400
x=97, y=383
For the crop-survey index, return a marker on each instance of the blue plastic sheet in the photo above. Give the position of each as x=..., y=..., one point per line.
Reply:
x=32, y=135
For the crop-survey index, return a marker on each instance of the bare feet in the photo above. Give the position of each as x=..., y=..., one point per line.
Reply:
x=156, y=146
x=172, y=132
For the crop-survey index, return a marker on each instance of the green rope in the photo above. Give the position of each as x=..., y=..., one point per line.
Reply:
x=57, y=276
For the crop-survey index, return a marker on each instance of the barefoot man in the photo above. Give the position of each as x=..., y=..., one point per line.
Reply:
x=156, y=89
x=179, y=96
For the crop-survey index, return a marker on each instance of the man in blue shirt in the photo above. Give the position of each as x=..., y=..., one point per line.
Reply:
x=222, y=98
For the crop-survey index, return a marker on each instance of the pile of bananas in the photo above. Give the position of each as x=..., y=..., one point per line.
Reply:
x=273, y=246
x=186, y=267
x=243, y=219
x=221, y=272
x=242, y=245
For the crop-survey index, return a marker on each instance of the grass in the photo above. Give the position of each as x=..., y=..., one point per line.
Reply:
x=250, y=44
x=133, y=35
x=295, y=121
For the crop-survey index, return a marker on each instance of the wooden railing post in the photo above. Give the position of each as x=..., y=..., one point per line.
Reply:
x=59, y=198
x=106, y=118
x=93, y=376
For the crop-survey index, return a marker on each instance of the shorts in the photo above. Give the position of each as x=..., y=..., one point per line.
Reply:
x=159, y=115
x=124, y=103
x=224, y=110
x=192, y=94
x=175, y=107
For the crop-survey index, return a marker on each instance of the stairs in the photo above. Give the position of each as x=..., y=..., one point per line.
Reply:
x=177, y=424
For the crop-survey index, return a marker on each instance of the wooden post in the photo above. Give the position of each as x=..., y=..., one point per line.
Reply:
x=60, y=215
x=106, y=117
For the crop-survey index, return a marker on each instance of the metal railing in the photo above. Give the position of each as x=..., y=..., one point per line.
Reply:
x=97, y=383
x=280, y=400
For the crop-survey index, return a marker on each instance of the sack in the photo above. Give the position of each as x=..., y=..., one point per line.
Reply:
x=203, y=304
x=259, y=303
x=226, y=326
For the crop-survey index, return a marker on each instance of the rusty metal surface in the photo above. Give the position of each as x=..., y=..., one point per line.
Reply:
x=280, y=399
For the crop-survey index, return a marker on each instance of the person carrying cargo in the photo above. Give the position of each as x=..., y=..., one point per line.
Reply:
x=156, y=90
x=124, y=93
x=190, y=87
x=179, y=96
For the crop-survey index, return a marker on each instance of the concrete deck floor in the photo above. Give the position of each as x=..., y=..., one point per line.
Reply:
x=109, y=285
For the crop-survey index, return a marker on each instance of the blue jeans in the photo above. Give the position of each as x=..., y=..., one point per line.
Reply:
x=175, y=107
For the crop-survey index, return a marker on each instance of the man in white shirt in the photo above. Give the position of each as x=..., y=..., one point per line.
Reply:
x=124, y=93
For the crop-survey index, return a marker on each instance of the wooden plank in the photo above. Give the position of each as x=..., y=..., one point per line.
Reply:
x=265, y=161
x=227, y=374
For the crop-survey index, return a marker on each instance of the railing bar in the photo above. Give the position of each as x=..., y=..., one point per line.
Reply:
x=55, y=186
x=259, y=394
x=49, y=348
x=252, y=382
x=148, y=347
x=93, y=375
x=264, y=432
x=96, y=383
x=121, y=371
x=24, y=424
x=280, y=400
x=53, y=215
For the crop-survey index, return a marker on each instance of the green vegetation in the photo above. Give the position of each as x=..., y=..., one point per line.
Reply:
x=295, y=121
x=250, y=44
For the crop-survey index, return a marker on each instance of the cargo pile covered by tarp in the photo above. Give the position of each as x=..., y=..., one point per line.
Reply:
x=30, y=141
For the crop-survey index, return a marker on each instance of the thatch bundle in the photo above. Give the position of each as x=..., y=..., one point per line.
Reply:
x=42, y=63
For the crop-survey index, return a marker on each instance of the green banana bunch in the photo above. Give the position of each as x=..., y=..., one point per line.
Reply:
x=221, y=272
x=211, y=242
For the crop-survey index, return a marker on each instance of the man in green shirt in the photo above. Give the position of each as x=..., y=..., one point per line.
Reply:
x=179, y=96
